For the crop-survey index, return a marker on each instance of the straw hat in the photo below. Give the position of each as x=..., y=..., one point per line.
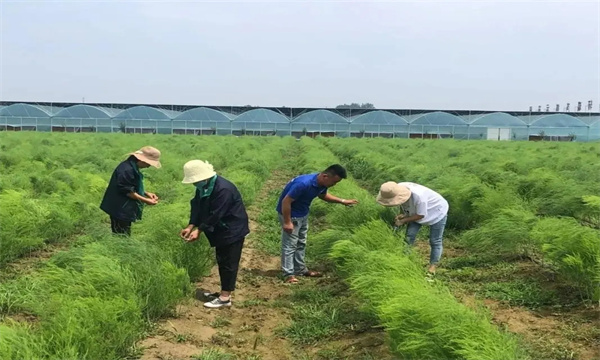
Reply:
x=197, y=170
x=149, y=155
x=393, y=194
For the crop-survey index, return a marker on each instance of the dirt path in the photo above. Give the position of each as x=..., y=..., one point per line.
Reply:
x=559, y=333
x=246, y=329
x=261, y=306
x=32, y=260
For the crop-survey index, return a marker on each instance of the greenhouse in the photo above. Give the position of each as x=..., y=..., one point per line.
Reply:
x=382, y=123
x=244, y=120
x=83, y=118
x=437, y=124
x=202, y=120
x=260, y=122
x=145, y=119
x=25, y=117
x=320, y=122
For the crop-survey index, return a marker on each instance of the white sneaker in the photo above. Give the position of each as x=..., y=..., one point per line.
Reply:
x=217, y=303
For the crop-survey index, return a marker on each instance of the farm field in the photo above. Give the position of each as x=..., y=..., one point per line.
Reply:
x=519, y=278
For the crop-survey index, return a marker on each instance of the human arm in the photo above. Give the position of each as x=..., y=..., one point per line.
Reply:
x=286, y=212
x=420, y=209
x=194, y=218
x=126, y=185
x=334, y=199
x=152, y=196
x=404, y=220
x=219, y=203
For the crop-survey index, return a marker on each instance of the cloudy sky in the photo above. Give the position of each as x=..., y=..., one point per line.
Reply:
x=503, y=55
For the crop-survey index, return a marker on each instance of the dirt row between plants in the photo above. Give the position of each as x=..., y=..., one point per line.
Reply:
x=561, y=333
x=249, y=329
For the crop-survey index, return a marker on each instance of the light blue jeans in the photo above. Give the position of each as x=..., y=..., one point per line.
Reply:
x=436, y=234
x=293, y=247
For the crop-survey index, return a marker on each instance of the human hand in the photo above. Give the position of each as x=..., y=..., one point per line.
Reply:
x=184, y=233
x=350, y=202
x=399, y=220
x=152, y=196
x=193, y=236
x=151, y=201
x=288, y=227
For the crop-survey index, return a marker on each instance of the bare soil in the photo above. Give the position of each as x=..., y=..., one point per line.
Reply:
x=553, y=333
x=249, y=328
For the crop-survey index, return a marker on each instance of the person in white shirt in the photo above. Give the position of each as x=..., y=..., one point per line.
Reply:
x=420, y=206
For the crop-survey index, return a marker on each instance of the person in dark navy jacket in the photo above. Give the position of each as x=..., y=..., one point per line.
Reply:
x=125, y=195
x=217, y=210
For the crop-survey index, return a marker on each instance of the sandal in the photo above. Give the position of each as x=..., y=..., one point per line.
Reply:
x=291, y=280
x=309, y=273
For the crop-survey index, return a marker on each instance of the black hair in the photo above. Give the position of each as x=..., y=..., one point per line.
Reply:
x=336, y=169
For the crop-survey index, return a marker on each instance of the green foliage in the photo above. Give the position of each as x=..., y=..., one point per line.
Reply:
x=505, y=234
x=497, y=191
x=213, y=354
x=22, y=220
x=423, y=321
x=95, y=299
x=519, y=293
x=17, y=343
x=320, y=313
x=592, y=210
x=574, y=250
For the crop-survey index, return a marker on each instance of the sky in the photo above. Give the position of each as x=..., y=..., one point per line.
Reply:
x=468, y=55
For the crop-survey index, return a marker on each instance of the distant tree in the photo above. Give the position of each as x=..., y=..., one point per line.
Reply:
x=356, y=106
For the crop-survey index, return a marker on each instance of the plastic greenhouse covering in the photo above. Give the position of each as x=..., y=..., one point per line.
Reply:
x=321, y=121
x=379, y=122
x=204, y=114
x=145, y=113
x=87, y=112
x=436, y=118
x=558, y=120
x=379, y=117
x=261, y=121
x=498, y=119
x=26, y=110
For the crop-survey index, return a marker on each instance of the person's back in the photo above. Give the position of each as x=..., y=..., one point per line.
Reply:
x=115, y=201
x=425, y=201
x=303, y=189
x=225, y=202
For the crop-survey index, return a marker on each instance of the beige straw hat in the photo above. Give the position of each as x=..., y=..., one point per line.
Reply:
x=393, y=194
x=197, y=170
x=148, y=154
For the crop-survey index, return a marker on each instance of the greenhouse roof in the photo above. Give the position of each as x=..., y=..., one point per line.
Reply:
x=437, y=118
x=498, y=119
x=146, y=113
x=558, y=120
x=204, y=114
x=261, y=115
x=87, y=112
x=26, y=110
x=320, y=117
x=379, y=117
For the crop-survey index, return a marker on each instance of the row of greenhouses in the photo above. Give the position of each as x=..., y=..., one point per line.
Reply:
x=262, y=121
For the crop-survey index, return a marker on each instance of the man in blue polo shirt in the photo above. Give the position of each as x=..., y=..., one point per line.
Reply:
x=293, y=208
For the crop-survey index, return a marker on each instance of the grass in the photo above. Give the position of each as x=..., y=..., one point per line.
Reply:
x=322, y=312
x=95, y=299
x=249, y=303
x=220, y=322
x=520, y=293
x=214, y=354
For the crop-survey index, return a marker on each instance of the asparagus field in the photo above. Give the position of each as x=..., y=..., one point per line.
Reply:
x=522, y=243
